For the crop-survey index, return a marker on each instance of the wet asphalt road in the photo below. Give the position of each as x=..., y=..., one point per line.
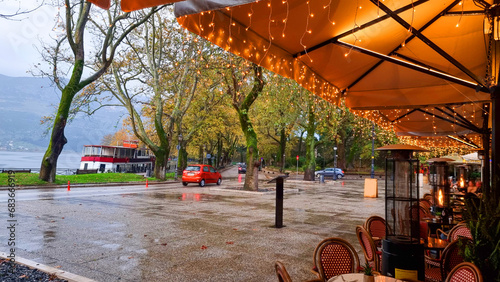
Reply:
x=173, y=233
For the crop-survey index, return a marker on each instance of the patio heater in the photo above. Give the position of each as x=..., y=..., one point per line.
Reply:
x=440, y=187
x=462, y=177
x=402, y=250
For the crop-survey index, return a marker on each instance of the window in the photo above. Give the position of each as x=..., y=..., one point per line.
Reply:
x=212, y=169
x=205, y=168
x=193, y=168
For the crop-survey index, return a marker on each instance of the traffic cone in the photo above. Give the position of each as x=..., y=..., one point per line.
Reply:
x=68, y=186
x=146, y=183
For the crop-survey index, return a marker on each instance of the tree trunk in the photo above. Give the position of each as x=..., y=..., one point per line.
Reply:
x=310, y=145
x=252, y=151
x=160, y=163
x=48, y=167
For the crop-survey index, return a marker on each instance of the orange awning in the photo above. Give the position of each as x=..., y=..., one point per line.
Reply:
x=133, y=5
x=423, y=68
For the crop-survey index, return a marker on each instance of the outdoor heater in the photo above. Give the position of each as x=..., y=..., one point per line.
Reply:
x=402, y=250
x=462, y=177
x=440, y=185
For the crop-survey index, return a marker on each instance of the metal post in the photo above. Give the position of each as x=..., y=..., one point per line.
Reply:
x=335, y=163
x=283, y=160
x=373, y=152
x=495, y=159
x=178, y=156
x=279, y=202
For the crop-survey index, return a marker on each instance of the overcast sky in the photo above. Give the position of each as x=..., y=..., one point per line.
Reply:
x=20, y=36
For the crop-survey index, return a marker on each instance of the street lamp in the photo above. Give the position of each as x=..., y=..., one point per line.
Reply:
x=178, y=156
x=335, y=163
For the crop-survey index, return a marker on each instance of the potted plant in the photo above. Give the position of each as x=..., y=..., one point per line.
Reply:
x=368, y=273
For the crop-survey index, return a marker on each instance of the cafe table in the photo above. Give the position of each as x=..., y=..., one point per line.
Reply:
x=435, y=244
x=358, y=277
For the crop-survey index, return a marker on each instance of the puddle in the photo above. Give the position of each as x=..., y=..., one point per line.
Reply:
x=197, y=197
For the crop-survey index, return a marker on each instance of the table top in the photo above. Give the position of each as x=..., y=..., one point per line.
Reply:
x=438, y=221
x=435, y=243
x=358, y=277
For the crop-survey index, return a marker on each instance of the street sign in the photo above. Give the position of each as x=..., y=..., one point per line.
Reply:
x=297, y=157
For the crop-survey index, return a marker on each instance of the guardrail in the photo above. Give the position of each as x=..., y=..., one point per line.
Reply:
x=60, y=171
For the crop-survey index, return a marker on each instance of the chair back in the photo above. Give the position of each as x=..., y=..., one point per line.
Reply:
x=460, y=230
x=281, y=272
x=368, y=246
x=425, y=203
x=452, y=256
x=465, y=272
x=335, y=256
x=375, y=225
x=428, y=197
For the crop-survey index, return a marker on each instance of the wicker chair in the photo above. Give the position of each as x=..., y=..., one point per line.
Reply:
x=465, y=272
x=375, y=225
x=428, y=197
x=335, y=256
x=425, y=203
x=281, y=272
x=372, y=255
x=459, y=230
x=437, y=269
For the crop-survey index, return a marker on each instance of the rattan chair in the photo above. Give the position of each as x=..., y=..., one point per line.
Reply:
x=425, y=203
x=459, y=230
x=375, y=225
x=372, y=255
x=437, y=269
x=428, y=197
x=281, y=272
x=335, y=256
x=465, y=272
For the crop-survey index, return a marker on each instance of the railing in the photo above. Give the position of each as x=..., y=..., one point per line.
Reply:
x=60, y=171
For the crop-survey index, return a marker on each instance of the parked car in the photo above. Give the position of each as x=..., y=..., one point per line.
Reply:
x=201, y=174
x=242, y=168
x=329, y=172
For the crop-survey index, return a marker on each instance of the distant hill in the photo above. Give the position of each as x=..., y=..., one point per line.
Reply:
x=25, y=100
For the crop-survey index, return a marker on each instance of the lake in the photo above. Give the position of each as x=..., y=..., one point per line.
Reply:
x=32, y=160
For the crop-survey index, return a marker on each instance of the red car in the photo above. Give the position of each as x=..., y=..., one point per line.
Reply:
x=201, y=174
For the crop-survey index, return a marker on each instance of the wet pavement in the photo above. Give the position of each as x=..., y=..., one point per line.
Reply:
x=175, y=233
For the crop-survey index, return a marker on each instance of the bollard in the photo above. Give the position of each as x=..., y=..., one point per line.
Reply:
x=68, y=186
x=322, y=178
x=239, y=178
x=279, y=202
x=146, y=183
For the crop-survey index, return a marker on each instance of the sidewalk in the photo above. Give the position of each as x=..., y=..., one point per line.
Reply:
x=174, y=233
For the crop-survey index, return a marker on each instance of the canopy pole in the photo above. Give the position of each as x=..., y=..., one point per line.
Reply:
x=486, y=148
x=495, y=142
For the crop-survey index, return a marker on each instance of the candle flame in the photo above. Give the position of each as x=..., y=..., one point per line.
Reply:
x=440, y=197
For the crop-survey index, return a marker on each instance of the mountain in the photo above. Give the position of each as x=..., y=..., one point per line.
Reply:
x=23, y=103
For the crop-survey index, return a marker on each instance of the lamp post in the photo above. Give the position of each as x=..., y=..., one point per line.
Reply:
x=178, y=156
x=335, y=163
x=372, y=172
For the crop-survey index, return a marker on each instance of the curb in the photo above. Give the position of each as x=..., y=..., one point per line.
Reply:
x=89, y=185
x=61, y=274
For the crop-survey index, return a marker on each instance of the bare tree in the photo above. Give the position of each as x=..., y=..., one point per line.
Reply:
x=71, y=51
